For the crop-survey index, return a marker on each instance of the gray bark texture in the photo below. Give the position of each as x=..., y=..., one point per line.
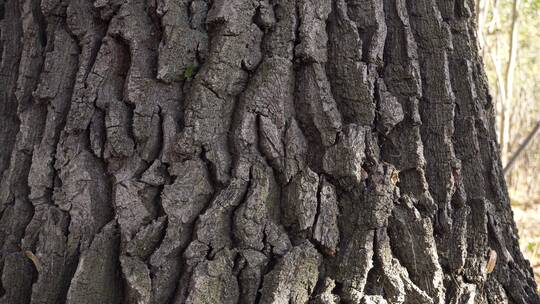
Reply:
x=250, y=151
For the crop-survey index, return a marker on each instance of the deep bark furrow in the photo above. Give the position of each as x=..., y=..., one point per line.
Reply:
x=250, y=151
x=437, y=115
x=82, y=186
x=352, y=78
x=55, y=90
x=468, y=142
x=245, y=221
x=403, y=146
x=15, y=207
x=10, y=48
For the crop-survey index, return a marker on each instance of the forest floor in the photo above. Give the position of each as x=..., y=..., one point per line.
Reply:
x=527, y=218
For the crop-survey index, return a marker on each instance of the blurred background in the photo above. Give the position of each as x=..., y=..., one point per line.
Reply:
x=509, y=38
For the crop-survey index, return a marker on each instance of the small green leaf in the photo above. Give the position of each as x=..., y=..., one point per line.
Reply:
x=190, y=71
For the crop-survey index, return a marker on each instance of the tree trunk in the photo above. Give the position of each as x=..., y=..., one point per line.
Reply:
x=250, y=151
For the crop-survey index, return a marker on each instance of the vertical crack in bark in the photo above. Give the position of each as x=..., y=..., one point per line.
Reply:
x=184, y=32
x=133, y=100
x=353, y=78
x=11, y=49
x=55, y=89
x=467, y=143
x=402, y=145
x=413, y=243
x=437, y=111
x=16, y=209
x=234, y=43
x=82, y=187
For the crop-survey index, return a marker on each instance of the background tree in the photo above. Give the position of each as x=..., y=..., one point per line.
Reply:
x=247, y=151
x=508, y=36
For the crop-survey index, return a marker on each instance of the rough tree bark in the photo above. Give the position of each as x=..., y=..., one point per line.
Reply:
x=250, y=151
